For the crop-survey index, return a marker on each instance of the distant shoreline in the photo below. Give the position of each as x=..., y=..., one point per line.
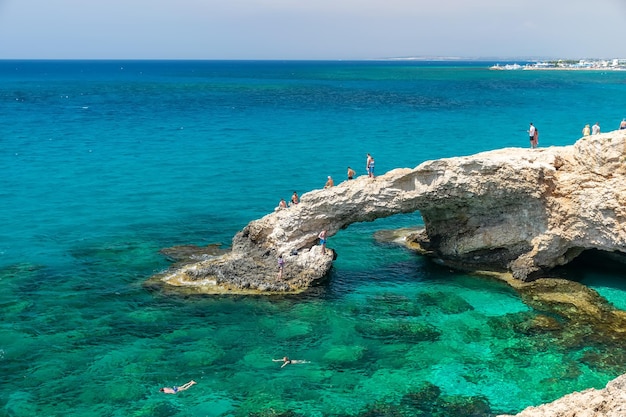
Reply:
x=574, y=69
x=614, y=64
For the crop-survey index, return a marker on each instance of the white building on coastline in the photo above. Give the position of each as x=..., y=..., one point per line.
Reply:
x=617, y=64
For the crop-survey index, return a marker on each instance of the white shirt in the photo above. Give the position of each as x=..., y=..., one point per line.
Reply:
x=595, y=130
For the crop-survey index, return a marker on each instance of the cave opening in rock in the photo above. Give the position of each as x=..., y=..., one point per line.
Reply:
x=603, y=271
x=598, y=261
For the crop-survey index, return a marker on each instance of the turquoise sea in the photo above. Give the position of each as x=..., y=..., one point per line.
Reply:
x=104, y=163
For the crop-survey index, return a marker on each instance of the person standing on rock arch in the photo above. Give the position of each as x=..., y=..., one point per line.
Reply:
x=531, y=134
x=369, y=165
x=595, y=129
x=281, y=266
x=322, y=237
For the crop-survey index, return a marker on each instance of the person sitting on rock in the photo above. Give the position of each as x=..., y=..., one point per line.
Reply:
x=329, y=183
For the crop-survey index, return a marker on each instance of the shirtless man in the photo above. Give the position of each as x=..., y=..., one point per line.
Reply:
x=351, y=173
x=322, y=237
x=329, y=183
x=175, y=389
x=370, y=166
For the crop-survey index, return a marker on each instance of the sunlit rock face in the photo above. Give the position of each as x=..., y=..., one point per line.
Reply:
x=524, y=211
x=607, y=402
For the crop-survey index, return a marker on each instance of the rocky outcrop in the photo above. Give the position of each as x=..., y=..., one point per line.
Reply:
x=524, y=211
x=607, y=402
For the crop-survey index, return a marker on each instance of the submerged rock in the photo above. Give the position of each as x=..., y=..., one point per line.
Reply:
x=184, y=254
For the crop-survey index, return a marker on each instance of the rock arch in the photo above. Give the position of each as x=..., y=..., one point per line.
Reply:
x=518, y=210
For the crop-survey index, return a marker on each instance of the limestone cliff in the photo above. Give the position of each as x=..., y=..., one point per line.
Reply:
x=607, y=402
x=519, y=210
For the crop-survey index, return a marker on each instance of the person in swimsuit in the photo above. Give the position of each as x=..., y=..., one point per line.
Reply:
x=175, y=390
x=286, y=361
x=281, y=266
x=586, y=130
x=329, y=183
x=351, y=173
x=322, y=237
x=370, y=166
x=294, y=198
x=531, y=134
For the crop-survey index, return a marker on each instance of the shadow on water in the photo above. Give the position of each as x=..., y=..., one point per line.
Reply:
x=601, y=271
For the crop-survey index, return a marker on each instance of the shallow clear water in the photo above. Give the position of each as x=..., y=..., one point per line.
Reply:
x=105, y=163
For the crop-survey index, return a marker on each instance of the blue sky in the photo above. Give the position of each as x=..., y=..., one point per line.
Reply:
x=311, y=29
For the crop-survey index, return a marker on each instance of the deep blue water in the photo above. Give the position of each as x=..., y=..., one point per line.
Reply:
x=103, y=163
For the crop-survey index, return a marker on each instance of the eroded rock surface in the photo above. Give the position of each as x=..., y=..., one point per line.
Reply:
x=524, y=211
x=607, y=402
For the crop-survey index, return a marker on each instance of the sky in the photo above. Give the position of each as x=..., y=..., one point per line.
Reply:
x=311, y=29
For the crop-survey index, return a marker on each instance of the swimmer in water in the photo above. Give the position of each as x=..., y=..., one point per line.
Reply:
x=175, y=390
x=286, y=361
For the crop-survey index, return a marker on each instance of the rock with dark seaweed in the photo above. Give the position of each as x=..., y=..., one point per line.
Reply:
x=389, y=304
x=428, y=401
x=607, y=360
x=504, y=327
x=382, y=409
x=182, y=254
x=539, y=324
x=399, y=331
x=423, y=399
x=164, y=409
x=274, y=413
x=448, y=303
x=586, y=317
x=458, y=406
x=19, y=271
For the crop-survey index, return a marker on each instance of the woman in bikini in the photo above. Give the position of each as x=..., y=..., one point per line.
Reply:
x=286, y=361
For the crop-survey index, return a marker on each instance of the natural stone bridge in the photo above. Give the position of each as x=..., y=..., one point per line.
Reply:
x=519, y=210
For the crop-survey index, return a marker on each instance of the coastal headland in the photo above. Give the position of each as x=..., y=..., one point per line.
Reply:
x=513, y=210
